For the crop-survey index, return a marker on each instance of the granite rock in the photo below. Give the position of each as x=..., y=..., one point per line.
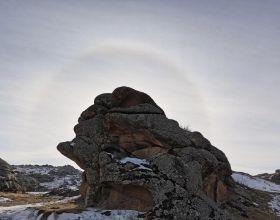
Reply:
x=134, y=157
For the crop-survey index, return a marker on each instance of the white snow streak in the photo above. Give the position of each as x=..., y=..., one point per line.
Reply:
x=256, y=183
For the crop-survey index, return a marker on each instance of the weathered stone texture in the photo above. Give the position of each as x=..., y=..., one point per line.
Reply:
x=134, y=157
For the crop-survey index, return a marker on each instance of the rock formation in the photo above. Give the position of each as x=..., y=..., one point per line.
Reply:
x=8, y=181
x=273, y=177
x=43, y=178
x=134, y=157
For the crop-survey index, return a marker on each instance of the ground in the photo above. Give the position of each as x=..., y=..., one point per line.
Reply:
x=260, y=199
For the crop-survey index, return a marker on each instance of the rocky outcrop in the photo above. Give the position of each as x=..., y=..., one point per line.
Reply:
x=45, y=178
x=273, y=177
x=134, y=157
x=8, y=181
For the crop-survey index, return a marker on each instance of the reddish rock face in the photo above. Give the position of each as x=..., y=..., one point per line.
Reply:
x=149, y=152
x=126, y=97
x=139, y=142
x=128, y=197
x=215, y=188
x=222, y=191
x=83, y=189
x=136, y=140
x=134, y=157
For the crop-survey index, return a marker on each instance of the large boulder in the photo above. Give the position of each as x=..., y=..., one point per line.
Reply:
x=134, y=157
x=8, y=181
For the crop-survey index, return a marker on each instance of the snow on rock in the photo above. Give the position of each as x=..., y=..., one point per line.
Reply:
x=3, y=199
x=256, y=183
x=275, y=204
x=137, y=161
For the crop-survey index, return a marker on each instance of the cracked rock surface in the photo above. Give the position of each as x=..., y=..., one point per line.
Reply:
x=134, y=157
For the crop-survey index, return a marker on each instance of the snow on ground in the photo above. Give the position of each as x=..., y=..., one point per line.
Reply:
x=94, y=214
x=20, y=214
x=33, y=170
x=3, y=199
x=256, y=183
x=70, y=181
x=37, y=193
x=29, y=212
x=263, y=185
x=275, y=204
x=137, y=161
x=89, y=214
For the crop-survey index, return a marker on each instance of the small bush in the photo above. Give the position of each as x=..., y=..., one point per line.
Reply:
x=186, y=128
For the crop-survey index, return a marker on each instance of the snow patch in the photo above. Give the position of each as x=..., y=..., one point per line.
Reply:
x=256, y=183
x=275, y=204
x=3, y=199
x=37, y=193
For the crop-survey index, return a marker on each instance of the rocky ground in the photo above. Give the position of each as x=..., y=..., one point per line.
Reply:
x=138, y=164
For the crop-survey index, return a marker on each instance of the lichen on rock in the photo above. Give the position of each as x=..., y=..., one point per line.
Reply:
x=172, y=173
x=8, y=180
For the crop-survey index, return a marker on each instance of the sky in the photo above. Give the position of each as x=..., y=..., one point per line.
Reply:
x=211, y=65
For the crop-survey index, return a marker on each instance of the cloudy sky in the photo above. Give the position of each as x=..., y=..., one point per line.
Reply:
x=211, y=65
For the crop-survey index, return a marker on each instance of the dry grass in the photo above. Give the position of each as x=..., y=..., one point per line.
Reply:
x=53, y=205
x=23, y=198
x=261, y=211
x=69, y=207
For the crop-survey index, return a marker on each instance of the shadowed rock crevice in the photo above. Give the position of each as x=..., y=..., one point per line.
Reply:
x=117, y=196
x=134, y=157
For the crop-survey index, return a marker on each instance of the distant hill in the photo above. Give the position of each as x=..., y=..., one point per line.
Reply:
x=45, y=178
x=273, y=177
